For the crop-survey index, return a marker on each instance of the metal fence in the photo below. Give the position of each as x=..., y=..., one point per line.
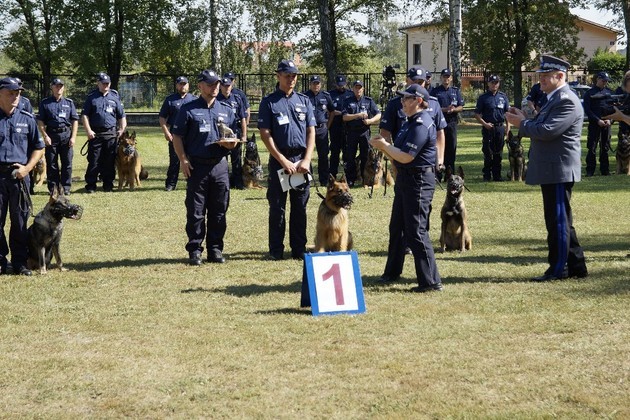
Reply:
x=145, y=92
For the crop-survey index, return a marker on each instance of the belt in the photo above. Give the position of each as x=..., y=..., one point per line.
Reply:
x=57, y=130
x=498, y=124
x=420, y=170
x=102, y=129
x=290, y=152
x=208, y=161
x=6, y=168
x=321, y=125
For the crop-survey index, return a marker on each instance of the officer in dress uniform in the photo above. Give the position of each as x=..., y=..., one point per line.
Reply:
x=451, y=103
x=168, y=112
x=203, y=163
x=239, y=126
x=359, y=112
x=21, y=147
x=238, y=92
x=322, y=105
x=287, y=128
x=414, y=153
x=102, y=113
x=598, y=128
x=337, y=130
x=554, y=164
x=536, y=98
x=58, y=122
x=490, y=112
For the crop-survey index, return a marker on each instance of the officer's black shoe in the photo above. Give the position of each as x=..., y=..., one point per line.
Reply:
x=589, y=174
x=275, y=256
x=23, y=271
x=428, y=288
x=486, y=179
x=408, y=251
x=108, y=189
x=90, y=191
x=548, y=277
x=387, y=278
x=578, y=274
x=66, y=192
x=195, y=258
x=4, y=269
x=297, y=255
x=498, y=179
x=169, y=188
x=605, y=173
x=215, y=256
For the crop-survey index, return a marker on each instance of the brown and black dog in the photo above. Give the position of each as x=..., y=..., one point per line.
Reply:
x=252, y=168
x=455, y=235
x=516, y=153
x=332, y=218
x=128, y=162
x=44, y=235
x=38, y=174
x=374, y=174
x=623, y=154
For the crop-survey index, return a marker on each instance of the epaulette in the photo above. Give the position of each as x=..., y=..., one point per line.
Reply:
x=433, y=97
x=368, y=97
x=115, y=92
x=26, y=113
x=68, y=99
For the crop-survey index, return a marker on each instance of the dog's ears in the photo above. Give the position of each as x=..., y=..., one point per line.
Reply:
x=460, y=172
x=510, y=135
x=449, y=171
x=133, y=135
x=343, y=178
x=331, y=180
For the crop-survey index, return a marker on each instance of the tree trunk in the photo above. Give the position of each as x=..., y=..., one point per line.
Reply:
x=328, y=39
x=214, y=35
x=626, y=20
x=119, y=36
x=455, y=39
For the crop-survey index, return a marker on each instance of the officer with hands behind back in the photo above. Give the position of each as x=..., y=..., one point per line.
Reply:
x=598, y=128
x=287, y=127
x=322, y=107
x=21, y=147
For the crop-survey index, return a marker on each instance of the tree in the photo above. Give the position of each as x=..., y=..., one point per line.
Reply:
x=610, y=62
x=455, y=38
x=501, y=34
x=620, y=8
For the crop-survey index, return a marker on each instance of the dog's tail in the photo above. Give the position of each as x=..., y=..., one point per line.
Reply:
x=144, y=174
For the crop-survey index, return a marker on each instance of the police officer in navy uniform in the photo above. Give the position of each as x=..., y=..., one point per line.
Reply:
x=414, y=153
x=196, y=139
x=168, y=112
x=452, y=103
x=598, y=128
x=21, y=147
x=102, y=113
x=490, y=112
x=322, y=107
x=536, y=98
x=337, y=130
x=239, y=126
x=240, y=93
x=359, y=112
x=58, y=122
x=24, y=104
x=287, y=128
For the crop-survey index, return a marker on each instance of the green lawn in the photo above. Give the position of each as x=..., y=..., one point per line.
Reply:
x=133, y=331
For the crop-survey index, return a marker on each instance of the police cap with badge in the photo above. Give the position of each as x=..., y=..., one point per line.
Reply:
x=550, y=63
x=415, y=91
x=417, y=73
x=287, y=66
x=208, y=76
x=11, y=83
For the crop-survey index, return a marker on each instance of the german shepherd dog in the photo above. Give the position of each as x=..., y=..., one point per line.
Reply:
x=332, y=218
x=252, y=168
x=38, y=174
x=455, y=234
x=44, y=235
x=128, y=162
x=518, y=168
x=374, y=174
x=623, y=154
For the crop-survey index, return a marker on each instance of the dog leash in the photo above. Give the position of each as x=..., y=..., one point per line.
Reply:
x=25, y=203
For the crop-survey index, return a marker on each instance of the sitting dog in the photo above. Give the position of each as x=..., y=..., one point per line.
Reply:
x=44, y=235
x=38, y=174
x=373, y=174
x=332, y=233
x=455, y=234
x=623, y=154
x=252, y=168
x=128, y=162
x=518, y=168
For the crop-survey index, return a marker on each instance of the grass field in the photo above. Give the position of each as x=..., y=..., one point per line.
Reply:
x=133, y=331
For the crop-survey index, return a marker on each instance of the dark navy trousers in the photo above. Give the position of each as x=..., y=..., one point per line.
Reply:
x=321, y=145
x=101, y=160
x=337, y=147
x=357, y=139
x=59, y=152
x=277, y=213
x=450, y=145
x=566, y=256
x=172, y=173
x=492, y=148
x=409, y=220
x=597, y=136
x=207, y=197
x=10, y=191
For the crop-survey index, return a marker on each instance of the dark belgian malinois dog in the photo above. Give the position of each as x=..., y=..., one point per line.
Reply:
x=332, y=218
x=518, y=168
x=44, y=235
x=623, y=154
x=374, y=174
x=455, y=234
x=252, y=168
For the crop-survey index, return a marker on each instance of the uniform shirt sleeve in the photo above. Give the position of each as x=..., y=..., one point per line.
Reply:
x=460, y=98
x=42, y=114
x=87, y=107
x=388, y=119
x=415, y=139
x=180, y=126
x=479, y=106
x=264, y=114
x=120, y=110
x=165, y=108
x=310, y=114
x=74, y=116
x=374, y=108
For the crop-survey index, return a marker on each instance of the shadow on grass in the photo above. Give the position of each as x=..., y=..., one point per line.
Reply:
x=286, y=311
x=97, y=265
x=247, y=290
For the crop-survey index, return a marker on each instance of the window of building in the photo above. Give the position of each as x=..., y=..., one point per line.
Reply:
x=417, y=53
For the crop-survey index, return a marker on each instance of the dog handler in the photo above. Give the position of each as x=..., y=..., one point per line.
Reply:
x=414, y=153
x=21, y=147
x=58, y=121
x=554, y=164
x=202, y=161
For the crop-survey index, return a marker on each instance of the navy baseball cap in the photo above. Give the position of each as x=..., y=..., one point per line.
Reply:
x=494, y=78
x=414, y=90
x=103, y=78
x=340, y=80
x=428, y=74
x=57, y=81
x=357, y=82
x=417, y=73
x=230, y=75
x=603, y=76
x=226, y=81
x=445, y=72
x=550, y=63
x=315, y=79
x=208, y=76
x=182, y=79
x=287, y=66
x=11, y=83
